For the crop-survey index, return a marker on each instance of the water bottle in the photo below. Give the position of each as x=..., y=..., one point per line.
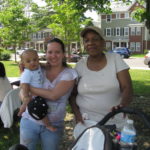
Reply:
x=128, y=136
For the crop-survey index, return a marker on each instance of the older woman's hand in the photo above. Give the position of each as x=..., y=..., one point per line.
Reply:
x=118, y=107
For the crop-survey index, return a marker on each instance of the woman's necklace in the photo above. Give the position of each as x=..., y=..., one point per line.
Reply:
x=96, y=63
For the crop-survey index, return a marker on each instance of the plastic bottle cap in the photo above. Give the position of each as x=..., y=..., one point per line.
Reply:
x=130, y=121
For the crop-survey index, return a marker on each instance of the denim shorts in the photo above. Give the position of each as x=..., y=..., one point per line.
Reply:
x=33, y=134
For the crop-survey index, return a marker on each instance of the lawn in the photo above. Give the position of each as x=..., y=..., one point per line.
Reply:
x=12, y=69
x=138, y=55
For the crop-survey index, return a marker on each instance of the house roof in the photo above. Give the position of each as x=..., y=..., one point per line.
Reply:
x=121, y=7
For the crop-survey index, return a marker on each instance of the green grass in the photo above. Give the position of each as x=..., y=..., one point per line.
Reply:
x=12, y=69
x=138, y=55
x=141, y=82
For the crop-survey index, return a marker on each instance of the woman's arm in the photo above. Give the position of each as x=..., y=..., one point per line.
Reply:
x=125, y=86
x=53, y=94
x=74, y=106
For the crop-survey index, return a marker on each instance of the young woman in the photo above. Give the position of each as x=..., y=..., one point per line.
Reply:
x=57, y=86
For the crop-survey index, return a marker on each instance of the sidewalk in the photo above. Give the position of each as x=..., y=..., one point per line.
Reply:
x=140, y=68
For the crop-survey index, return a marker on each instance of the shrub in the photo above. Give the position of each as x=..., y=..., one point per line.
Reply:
x=5, y=56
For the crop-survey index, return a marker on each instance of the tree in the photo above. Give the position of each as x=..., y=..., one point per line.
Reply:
x=41, y=16
x=103, y=6
x=15, y=25
x=66, y=21
x=143, y=14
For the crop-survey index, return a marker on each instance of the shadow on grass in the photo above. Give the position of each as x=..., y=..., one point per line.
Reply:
x=141, y=88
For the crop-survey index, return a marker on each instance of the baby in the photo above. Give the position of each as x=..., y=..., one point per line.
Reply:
x=32, y=75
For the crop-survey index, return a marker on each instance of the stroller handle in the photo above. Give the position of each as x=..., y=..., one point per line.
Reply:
x=127, y=110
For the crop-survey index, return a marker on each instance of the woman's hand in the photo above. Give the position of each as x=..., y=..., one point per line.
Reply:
x=118, y=107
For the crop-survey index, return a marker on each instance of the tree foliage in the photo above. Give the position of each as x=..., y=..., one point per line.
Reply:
x=103, y=6
x=66, y=21
x=15, y=25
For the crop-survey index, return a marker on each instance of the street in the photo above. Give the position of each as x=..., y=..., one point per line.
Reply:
x=134, y=63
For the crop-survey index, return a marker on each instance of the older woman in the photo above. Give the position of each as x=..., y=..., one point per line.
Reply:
x=104, y=83
x=57, y=86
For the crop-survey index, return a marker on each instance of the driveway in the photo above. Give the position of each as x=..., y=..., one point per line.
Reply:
x=136, y=63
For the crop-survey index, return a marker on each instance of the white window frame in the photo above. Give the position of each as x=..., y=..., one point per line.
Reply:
x=126, y=31
x=34, y=35
x=108, y=29
x=108, y=19
x=117, y=29
x=117, y=15
x=126, y=14
x=39, y=35
x=132, y=46
x=138, y=46
x=138, y=30
x=108, y=45
x=133, y=31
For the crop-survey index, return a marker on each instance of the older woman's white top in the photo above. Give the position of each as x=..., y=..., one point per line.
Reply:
x=99, y=91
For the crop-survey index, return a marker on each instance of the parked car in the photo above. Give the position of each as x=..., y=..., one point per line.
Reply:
x=74, y=58
x=123, y=51
x=19, y=51
x=147, y=59
x=42, y=56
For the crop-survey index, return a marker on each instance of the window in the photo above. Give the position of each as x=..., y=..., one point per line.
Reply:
x=108, y=31
x=117, y=15
x=132, y=46
x=138, y=30
x=126, y=31
x=108, y=18
x=34, y=36
x=39, y=35
x=132, y=30
x=117, y=31
x=138, y=46
x=126, y=15
x=108, y=45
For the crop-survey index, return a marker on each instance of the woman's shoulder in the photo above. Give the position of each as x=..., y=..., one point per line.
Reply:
x=111, y=55
x=69, y=73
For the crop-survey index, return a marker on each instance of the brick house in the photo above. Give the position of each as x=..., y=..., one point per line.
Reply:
x=39, y=39
x=121, y=30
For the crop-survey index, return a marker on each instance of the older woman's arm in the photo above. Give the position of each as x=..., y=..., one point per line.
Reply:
x=126, y=88
x=74, y=106
x=53, y=94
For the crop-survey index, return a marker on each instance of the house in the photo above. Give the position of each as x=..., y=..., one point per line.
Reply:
x=39, y=39
x=121, y=30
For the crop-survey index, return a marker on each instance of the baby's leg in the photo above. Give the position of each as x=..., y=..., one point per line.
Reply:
x=48, y=125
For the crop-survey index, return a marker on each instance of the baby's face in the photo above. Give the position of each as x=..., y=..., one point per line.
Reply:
x=30, y=60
